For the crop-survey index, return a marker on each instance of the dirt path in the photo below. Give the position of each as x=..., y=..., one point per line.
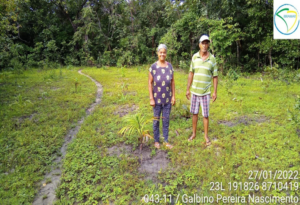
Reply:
x=46, y=195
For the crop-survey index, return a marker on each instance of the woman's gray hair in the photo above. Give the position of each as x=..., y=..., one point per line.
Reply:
x=160, y=46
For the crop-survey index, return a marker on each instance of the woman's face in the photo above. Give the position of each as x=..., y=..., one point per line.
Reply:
x=162, y=54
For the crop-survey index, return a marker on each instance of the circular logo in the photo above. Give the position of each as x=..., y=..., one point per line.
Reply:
x=286, y=19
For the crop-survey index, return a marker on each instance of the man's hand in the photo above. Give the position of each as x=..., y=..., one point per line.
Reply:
x=152, y=102
x=173, y=101
x=188, y=94
x=214, y=96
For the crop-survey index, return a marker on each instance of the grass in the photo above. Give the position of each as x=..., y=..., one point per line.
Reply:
x=249, y=127
x=262, y=138
x=37, y=108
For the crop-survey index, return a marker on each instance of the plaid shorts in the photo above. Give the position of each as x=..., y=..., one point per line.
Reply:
x=196, y=101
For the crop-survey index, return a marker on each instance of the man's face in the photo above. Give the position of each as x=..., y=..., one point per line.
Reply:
x=204, y=45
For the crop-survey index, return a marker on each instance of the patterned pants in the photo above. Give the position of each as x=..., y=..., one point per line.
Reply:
x=196, y=101
x=165, y=110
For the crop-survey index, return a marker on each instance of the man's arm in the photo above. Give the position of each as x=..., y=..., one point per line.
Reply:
x=150, y=80
x=190, y=80
x=215, y=81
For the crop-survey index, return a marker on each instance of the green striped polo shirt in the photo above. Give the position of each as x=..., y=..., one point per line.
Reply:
x=203, y=73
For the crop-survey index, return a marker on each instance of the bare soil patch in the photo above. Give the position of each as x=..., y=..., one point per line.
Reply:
x=125, y=109
x=246, y=120
x=150, y=166
x=46, y=194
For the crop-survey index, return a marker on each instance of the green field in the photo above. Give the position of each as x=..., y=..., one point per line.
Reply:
x=254, y=125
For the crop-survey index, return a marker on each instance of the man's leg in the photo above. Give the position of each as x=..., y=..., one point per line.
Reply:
x=205, y=123
x=195, y=120
x=195, y=103
x=205, y=112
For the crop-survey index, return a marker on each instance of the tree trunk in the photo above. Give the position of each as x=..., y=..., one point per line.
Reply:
x=270, y=57
x=237, y=53
x=258, y=59
x=298, y=56
x=222, y=65
x=211, y=44
x=191, y=43
x=153, y=46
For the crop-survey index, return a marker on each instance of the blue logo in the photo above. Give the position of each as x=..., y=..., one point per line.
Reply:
x=286, y=19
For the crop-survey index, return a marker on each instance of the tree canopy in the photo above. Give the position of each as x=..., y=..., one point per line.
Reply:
x=41, y=33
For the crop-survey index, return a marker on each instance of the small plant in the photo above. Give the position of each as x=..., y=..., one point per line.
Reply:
x=122, y=97
x=76, y=84
x=136, y=124
x=124, y=87
x=295, y=115
x=44, y=94
x=20, y=102
x=232, y=76
x=48, y=180
x=184, y=65
x=123, y=71
x=186, y=111
x=180, y=110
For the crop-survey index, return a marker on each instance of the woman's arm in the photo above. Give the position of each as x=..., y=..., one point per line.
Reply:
x=150, y=81
x=173, y=101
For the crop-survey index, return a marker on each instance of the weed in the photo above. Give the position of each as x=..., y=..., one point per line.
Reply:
x=76, y=82
x=48, y=180
x=122, y=97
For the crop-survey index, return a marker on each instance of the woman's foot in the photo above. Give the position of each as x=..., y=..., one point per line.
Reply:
x=207, y=143
x=191, y=138
x=156, y=145
x=168, y=145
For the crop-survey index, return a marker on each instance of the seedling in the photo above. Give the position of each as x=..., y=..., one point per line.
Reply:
x=136, y=124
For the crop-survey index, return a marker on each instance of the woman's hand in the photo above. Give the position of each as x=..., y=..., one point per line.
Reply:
x=173, y=101
x=152, y=102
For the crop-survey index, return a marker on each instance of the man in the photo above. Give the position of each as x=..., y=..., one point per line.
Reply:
x=203, y=68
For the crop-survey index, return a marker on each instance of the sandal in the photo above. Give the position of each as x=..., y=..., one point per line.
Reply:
x=156, y=145
x=191, y=138
x=169, y=146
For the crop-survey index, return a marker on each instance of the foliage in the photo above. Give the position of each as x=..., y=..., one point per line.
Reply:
x=137, y=124
x=122, y=33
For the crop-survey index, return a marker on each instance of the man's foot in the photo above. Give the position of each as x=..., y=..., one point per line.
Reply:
x=156, y=145
x=191, y=138
x=169, y=146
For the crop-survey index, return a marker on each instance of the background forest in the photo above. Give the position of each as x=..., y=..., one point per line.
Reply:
x=49, y=33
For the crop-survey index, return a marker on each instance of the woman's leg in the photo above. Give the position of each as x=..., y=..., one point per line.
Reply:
x=166, y=118
x=157, y=111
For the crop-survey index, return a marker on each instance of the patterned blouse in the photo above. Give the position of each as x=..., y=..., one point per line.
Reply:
x=162, y=77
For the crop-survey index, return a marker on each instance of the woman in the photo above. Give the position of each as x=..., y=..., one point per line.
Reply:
x=162, y=93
